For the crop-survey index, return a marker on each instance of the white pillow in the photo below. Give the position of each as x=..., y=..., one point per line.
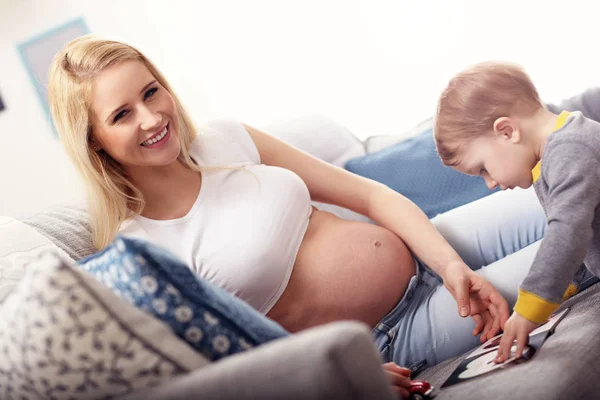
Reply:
x=380, y=142
x=19, y=245
x=65, y=335
x=320, y=137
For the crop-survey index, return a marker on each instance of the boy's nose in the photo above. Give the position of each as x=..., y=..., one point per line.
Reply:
x=491, y=184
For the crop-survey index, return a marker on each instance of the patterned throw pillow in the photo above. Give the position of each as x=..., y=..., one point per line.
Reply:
x=64, y=335
x=211, y=320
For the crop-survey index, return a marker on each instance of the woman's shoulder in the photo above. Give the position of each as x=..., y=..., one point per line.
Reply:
x=224, y=141
x=133, y=228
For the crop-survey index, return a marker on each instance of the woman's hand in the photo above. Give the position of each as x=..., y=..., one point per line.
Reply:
x=475, y=296
x=399, y=378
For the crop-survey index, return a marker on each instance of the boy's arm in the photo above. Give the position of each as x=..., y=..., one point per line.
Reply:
x=588, y=102
x=572, y=172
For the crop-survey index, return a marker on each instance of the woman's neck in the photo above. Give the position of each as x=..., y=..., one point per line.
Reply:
x=169, y=191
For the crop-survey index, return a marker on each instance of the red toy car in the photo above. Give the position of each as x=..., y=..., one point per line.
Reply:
x=420, y=390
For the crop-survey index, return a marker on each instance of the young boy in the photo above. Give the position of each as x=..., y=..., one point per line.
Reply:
x=490, y=122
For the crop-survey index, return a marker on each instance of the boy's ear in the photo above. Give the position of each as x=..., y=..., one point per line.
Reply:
x=507, y=128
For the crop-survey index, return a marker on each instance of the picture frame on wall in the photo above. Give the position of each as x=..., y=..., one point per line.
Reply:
x=37, y=54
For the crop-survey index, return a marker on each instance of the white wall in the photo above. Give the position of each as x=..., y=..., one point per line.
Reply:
x=375, y=66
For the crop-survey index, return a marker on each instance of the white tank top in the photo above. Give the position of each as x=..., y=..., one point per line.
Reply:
x=245, y=227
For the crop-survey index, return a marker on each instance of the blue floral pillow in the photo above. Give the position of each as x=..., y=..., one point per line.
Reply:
x=211, y=320
x=414, y=169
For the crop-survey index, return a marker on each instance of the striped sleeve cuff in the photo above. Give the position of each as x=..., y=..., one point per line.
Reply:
x=533, y=307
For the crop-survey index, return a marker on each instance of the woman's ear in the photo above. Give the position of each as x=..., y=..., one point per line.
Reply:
x=92, y=142
x=507, y=128
x=94, y=145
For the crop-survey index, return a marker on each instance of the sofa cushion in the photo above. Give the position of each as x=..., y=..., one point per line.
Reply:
x=64, y=335
x=67, y=226
x=19, y=245
x=333, y=361
x=320, y=137
x=565, y=367
x=414, y=169
x=211, y=320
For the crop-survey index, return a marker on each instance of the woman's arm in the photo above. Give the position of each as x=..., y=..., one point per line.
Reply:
x=330, y=184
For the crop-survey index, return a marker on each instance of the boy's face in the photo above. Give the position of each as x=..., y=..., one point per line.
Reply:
x=498, y=161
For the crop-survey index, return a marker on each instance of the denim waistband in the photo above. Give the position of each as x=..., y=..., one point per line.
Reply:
x=423, y=277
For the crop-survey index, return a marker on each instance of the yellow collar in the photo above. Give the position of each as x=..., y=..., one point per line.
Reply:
x=560, y=122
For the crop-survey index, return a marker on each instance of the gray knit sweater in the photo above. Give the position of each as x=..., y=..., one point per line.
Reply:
x=569, y=191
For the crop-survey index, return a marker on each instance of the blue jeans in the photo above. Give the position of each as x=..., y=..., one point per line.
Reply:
x=498, y=236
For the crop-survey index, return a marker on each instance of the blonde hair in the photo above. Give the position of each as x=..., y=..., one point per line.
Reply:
x=112, y=196
x=475, y=98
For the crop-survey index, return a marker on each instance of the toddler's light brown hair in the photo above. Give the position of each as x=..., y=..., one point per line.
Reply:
x=475, y=98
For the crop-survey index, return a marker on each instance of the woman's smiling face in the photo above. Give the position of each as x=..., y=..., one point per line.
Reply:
x=134, y=118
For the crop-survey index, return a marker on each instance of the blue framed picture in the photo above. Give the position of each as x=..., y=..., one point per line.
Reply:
x=37, y=54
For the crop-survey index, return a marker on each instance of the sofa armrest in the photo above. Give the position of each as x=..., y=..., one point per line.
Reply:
x=334, y=361
x=588, y=102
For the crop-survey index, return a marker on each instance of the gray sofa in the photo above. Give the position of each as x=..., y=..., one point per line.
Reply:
x=338, y=360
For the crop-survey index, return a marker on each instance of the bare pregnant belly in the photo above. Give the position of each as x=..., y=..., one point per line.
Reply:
x=344, y=270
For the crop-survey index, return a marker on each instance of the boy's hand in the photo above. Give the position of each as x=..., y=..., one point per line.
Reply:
x=399, y=378
x=519, y=328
